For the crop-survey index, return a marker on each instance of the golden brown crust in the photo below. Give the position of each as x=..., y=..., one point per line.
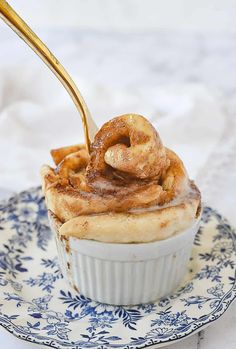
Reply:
x=68, y=202
x=148, y=226
x=72, y=162
x=129, y=169
x=129, y=144
x=60, y=153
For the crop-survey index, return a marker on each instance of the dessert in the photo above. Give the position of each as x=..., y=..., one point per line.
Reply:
x=129, y=191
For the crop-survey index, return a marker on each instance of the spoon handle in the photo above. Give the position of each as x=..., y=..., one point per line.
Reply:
x=17, y=24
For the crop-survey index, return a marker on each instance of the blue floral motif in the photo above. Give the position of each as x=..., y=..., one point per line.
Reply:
x=129, y=316
x=23, y=235
x=11, y=260
x=28, y=214
x=52, y=313
x=39, y=304
x=163, y=332
x=15, y=285
x=56, y=323
x=217, y=290
x=106, y=319
x=168, y=318
x=87, y=307
x=46, y=280
x=147, y=308
x=211, y=272
x=163, y=302
x=222, y=250
x=75, y=301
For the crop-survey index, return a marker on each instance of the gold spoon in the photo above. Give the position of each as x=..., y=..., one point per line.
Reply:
x=17, y=24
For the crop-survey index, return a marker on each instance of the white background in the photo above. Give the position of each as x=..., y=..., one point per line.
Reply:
x=131, y=15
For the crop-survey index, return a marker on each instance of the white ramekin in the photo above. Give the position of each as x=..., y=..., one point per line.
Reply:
x=125, y=274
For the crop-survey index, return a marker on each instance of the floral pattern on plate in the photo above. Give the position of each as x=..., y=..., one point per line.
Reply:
x=38, y=306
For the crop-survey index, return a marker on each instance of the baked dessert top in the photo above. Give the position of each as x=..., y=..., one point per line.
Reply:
x=130, y=189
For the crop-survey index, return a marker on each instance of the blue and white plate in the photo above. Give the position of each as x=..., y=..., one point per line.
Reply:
x=38, y=306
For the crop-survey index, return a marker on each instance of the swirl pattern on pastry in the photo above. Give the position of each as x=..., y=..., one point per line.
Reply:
x=131, y=146
x=128, y=169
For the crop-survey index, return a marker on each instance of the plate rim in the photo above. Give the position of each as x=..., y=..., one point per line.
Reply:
x=154, y=345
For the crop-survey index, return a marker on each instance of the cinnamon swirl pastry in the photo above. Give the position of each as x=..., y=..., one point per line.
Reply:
x=130, y=189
